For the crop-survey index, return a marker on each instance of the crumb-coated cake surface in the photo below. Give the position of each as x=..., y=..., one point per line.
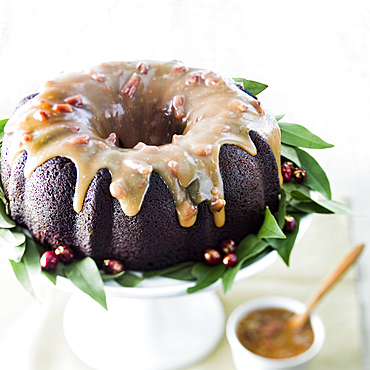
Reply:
x=148, y=163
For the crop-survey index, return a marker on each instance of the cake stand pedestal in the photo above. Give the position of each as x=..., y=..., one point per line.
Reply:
x=144, y=334
x=154, y=326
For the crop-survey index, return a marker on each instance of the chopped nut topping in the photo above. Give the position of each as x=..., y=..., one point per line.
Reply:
x=143, y=68
x=142, y=168
x=212, y=79
x=25, y=138
x=202, y=150
x=217, y=205
x=176, y=138
x=228, y=114
x=142, y=184
x=84, y=139
x=100, y=77
x=64, y=108
x=102, y=145
x=178, y=106
x=41, y=115
x=220, y=129
x=76, y=101
x=112, y=138
x=193, y=79
x=117, y=190
x=215, y=82
x=197, y=119
x=130, y=86
x=256, y=104
x=139, y=145
x=42, y=104
x=180, y=68
x=190, y=210
x=237, y=104
x=173, y=165
x=152, y=149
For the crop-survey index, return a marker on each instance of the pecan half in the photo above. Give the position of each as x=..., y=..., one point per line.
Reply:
x=130, y=86
x=178, y=103
x=75, y=100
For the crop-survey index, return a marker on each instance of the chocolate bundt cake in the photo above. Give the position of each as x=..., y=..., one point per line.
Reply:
x=147, y=163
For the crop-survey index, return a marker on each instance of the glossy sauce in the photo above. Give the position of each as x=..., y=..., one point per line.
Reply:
x=265, y=333
x=134, y=118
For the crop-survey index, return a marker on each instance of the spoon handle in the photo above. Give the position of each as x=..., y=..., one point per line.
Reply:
x=344, y=263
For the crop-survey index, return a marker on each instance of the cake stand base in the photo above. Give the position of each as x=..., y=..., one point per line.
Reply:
x=144, y=334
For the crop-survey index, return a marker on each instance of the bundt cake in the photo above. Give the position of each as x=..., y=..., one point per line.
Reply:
x=144, y=162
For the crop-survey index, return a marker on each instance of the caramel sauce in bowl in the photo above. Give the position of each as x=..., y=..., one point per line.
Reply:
x=255, y=309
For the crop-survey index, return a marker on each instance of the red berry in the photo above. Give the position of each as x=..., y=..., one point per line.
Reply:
x=49, y=260
x=290, y=164
x=228, y=246
x=212, y=257
x=290, y=223
x=112, y=266
x=65, y=254
x=286, y=171
x=299, y=174
x=230, y=260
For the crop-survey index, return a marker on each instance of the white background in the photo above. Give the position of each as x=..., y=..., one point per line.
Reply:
x=315, y=57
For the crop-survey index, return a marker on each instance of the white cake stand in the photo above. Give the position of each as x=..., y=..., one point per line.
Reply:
x=154, y=326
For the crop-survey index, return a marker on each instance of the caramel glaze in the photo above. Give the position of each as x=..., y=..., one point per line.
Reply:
x=138, y=117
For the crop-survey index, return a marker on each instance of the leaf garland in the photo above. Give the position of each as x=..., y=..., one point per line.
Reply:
x=295, y=199
x=252, y=86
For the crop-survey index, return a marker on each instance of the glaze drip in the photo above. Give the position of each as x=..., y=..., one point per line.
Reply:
x=138, y=117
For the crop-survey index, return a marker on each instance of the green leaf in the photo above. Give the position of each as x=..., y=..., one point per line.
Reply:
x=86, y=276
x=28, y=269
x=309, y=205
x=182, y=274
x=2, y=124
x=284, y=246
x=316, y=177
x=206, y=275
x=5, y=220
x=270, y=227
x=280, y=214
x=252, y=86
x=107, y=277
x=167, y=270
x=279, y=117
x=249, y=247
x=297, y=135
x=13, y=244
x=129, y=280
x=290, y=153
x=291, y=186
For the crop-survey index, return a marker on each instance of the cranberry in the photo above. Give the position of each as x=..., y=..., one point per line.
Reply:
x=230, y=260
x=290, y=223
x=65, y=254
x=212, y=257
x=287, y=172
x=228, y=246
x=299, y=174
x=49, y=260
x=112, y=266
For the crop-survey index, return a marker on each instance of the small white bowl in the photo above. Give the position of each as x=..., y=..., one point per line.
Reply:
x=247, y=360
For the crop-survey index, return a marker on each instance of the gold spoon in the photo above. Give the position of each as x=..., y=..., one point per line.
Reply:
x=297, y=321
